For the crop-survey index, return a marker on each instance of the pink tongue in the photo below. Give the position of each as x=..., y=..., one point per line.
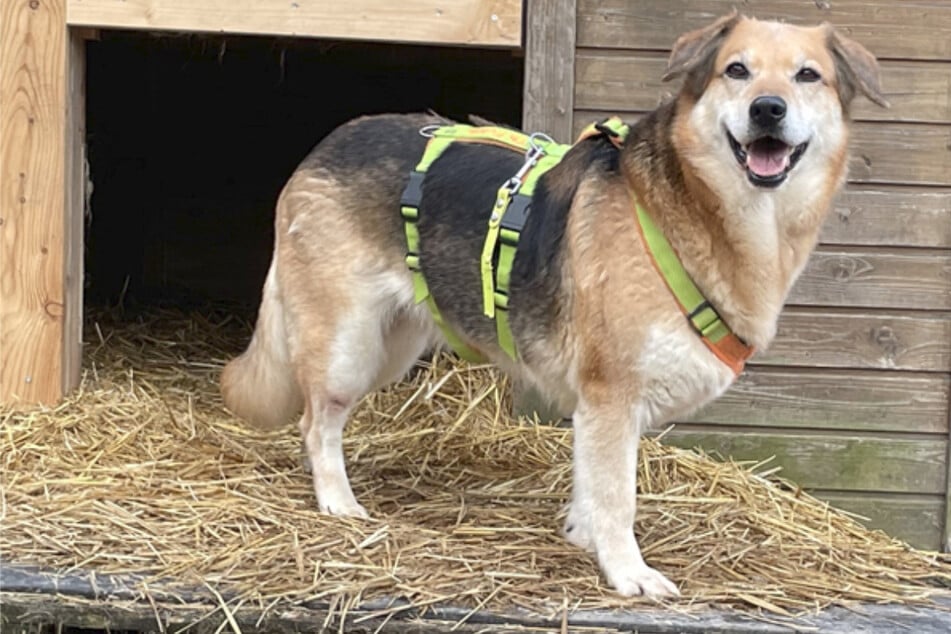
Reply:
x=766, y=159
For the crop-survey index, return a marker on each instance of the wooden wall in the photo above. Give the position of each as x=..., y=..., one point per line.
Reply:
x=853, y=397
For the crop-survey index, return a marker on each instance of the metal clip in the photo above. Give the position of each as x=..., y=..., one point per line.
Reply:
x=534, y=153
x=539, y=136
x=429, y=131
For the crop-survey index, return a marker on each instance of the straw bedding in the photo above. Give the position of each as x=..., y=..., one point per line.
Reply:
x=143, y=471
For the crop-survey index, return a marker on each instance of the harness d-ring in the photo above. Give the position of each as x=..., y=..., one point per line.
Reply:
x=429, y=131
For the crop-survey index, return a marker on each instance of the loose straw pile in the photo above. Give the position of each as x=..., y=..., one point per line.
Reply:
x=143, y=471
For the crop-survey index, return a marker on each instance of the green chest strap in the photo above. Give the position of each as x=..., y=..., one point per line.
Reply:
x=509, y=215
x=506, y=222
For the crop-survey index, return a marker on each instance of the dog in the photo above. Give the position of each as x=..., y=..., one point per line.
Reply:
x=737, y=171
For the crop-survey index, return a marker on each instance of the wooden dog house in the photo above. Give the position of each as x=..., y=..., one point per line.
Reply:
x=853, y=397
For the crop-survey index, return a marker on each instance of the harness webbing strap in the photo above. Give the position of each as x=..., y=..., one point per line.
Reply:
x=487, y=259
x=409, y=210
x=707, y=323
x=441, y=137
x=496, y=273
x=541, y=157
x=513, y=220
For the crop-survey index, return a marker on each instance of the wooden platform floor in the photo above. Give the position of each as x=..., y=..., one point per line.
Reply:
x=29, y=596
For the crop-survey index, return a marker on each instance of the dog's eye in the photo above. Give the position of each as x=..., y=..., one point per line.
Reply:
x=807, y=75
x=737, y=70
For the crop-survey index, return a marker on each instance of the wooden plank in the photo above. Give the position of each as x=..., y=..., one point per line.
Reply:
x=901, y=153
x=47, y=611
x=892, y=215
x=911, y=278
x=78, y=600
x=469, y=22
x=881, y=153
x=33, y=100
x=861, y=339
x=625, y=81
x=75, y=204
x=833, y=400
x=915, y=519
x=912, y=30
x=844, y=462
x=919, y=92
x=549, y=62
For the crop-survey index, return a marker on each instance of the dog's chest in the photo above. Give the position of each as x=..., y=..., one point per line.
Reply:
x=678, y=375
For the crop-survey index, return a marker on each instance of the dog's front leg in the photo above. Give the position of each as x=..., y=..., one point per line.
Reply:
x=604, y=499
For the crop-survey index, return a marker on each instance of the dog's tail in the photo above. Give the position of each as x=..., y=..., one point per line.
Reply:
x=260, y=386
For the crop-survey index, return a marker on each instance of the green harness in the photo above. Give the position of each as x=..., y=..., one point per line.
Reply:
x=509, y=214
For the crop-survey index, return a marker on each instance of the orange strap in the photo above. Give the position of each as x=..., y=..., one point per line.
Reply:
x=731, y=350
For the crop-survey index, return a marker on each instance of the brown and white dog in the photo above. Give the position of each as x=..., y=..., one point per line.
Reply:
x=738, y=172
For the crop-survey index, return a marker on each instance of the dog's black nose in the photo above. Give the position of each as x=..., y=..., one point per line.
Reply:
x=767, y=112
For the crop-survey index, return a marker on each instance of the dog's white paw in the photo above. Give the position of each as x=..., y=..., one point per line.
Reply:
x=338, y=500
x=342, y=508
x=578, y=531
x=640, y=580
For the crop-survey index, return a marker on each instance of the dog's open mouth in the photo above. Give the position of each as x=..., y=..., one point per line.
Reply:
x=767, y=160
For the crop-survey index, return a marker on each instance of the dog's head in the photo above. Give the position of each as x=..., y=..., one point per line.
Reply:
x=766, y=103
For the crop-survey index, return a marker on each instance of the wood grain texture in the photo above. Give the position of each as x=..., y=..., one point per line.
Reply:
x=908, y=30
x=844, y=462
x=907, y=279
x=861, y=339
x=901, y=153
x=549, y=68
x=919, y=92
x=466, y=22
x=32, y=233
x=916, y=519
x=75, y=169
x=833, y=400
x=890, y=215
x=41, y=597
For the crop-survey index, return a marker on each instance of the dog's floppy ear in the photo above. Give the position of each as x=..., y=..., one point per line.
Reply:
x=697, y=49
x=856, y=68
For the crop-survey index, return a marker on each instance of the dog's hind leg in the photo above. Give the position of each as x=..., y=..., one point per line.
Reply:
x=604, y=499
x=321, y=425
x=373, y=342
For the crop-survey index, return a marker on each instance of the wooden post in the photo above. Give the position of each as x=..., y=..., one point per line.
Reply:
x=76, y=179
x=40, y=235
x=549, y=92
x=547, y=106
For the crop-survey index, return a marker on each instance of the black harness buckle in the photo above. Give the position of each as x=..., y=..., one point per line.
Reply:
x=605, y=130
x=517, y=214
x=413, y=193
